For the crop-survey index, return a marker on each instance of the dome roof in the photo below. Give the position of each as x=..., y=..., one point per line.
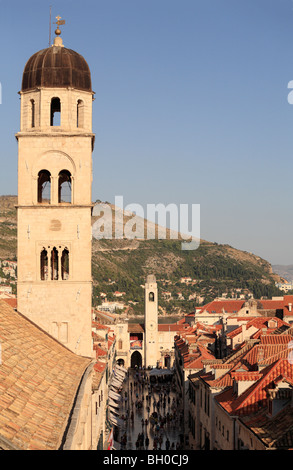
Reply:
x=56, y=67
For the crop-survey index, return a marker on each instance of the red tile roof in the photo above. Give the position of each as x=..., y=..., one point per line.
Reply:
x=99, y=326
x=275, y=432
x=172, y=327
x=100, y=352
x=135, y=328
x=273, y=356
x=260, y=323
x=11, y=302
x=100, y=366
x=218, y=306
x=39, y=379
x=196, y=361
x=233, y=306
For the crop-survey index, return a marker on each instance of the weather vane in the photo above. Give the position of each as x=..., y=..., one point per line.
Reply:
x=59, y=22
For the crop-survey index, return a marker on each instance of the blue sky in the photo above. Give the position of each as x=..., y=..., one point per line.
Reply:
x=191, y=107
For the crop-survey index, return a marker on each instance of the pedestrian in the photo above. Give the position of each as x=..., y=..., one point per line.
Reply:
x=147, y=441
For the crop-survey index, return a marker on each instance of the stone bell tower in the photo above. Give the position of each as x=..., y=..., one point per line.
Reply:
x=151, y=322
x=55, y=145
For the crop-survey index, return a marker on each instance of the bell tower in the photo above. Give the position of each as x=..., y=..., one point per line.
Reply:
x=55, y=145
x=151, y=322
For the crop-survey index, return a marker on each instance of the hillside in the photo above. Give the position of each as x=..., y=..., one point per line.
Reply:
x=122, y=265
x=8, y=227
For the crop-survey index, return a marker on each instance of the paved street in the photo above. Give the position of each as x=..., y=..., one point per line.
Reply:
x=151, y=413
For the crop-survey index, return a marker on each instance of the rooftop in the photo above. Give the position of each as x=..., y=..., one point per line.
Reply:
x=39, y=379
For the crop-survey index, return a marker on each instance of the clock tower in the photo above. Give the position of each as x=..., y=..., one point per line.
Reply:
x=151, y=322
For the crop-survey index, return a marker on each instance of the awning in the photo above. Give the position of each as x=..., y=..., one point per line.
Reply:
x=113, y=403
x=116, y=383
x=113, y=411
x=121, y=368
x=118, y=378
x=116, y=421
x=114, y=395
x=119, y=374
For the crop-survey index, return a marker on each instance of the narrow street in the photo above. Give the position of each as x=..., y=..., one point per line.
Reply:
x=151, y=413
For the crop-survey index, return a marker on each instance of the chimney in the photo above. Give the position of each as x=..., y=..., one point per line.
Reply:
x=260, y=357
x=260, y=354
x=290, y=307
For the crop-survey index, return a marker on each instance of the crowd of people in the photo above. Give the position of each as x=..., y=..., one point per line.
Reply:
x=151, y=404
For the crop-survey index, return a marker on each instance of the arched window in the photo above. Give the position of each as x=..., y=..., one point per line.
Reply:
x=151, y=297
x=80, y=114
x=54, y=264
x=44, y=265
x=65, y=264
x=33, y=123
x=44, y=187
x=55, y=119
x=64, y=186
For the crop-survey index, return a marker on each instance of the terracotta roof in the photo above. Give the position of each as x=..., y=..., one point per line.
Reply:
x=39, y=379
x=256, y=395
x=258, y=322
x=99, y=326
x=272, y=304
x=99, y=366
x=233, y=306
x=191, y=346
x=100, y=352
x=196, y=362
x=171, y=327
x=135, y=328
x=274, y=432
x=11, y=302
x=217, y=306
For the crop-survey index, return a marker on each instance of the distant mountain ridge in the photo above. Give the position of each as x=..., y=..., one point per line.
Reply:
x=284, y=271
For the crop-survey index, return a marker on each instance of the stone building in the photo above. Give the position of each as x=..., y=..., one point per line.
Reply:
x=55, y=144
x=148, y=344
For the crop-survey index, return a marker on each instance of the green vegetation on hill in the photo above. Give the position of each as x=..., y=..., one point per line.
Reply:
x=122, y=265
x=217, y=269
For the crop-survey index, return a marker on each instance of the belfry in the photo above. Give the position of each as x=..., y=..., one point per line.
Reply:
x=55, y=145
